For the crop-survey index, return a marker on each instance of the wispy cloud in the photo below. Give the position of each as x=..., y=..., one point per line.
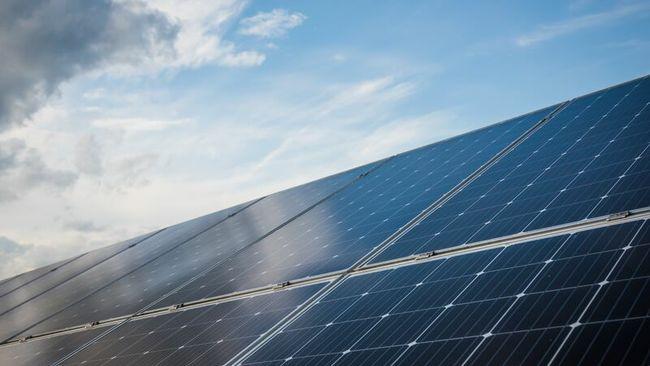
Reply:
x=137, y=124
x=550, y=31
x=275, y=23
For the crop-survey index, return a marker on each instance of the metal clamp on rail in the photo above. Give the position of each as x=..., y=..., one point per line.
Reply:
x=174, y=307
x=281, y=285
x=618, y=215
x=24, y=339
x=90, y=325
x=425, y=255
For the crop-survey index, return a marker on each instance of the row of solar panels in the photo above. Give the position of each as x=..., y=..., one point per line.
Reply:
x=586, y=159
x=574, y=299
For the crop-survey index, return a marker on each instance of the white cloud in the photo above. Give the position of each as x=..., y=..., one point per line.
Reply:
x=150, y=180
x=275, y=23
x=23, y=169
x=46, y=43
x=137, y=124
x=88, y=156
x=202, y=24
x=407, y=133
x=339, y=58
x=551, y=31
x=131, y=171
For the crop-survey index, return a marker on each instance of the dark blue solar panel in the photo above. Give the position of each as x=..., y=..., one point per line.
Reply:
x=127, y=283
x=589, y=160
x=11, y=284
x=519, y=304
x=44, y=351
x=208, y=335
x=64, y=272
x=35, y=301
x=338, y=232
x=570, y=299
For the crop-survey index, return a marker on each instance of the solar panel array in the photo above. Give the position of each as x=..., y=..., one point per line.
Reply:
x=524, y=242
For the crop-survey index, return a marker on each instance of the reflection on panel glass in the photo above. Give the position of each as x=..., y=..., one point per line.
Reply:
x=509, y=305
x=49, y=294
x=127, y=283
x=589, y=160
x=209, y=335
x=341, y=230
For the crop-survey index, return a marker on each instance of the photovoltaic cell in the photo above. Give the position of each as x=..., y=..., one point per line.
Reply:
x=208, y=335
x=339, y=231
x=60, y=273
x=126, y=284
x=589, y=160
x=518, y=304
x=44, y=351
x=579, y=298
x=45, y=296
x=9, y=285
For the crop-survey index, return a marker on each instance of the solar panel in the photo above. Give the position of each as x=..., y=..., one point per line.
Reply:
x=206, y=335
x=126, y=283
x=44, y=351
x=128, y=288
x=9, y=285
x=341, y=230
x=59, y=273
x=522, y=242
x=588, y=160
x=506, y=305
x=46, y=295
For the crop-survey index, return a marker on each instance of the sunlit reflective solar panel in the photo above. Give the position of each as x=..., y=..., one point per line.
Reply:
x=131, y=281
x=525, y=303
x=341, y=230
x=589, y=160
x=524, y=242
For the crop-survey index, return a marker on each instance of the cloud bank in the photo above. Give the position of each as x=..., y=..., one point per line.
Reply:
x=45, y=43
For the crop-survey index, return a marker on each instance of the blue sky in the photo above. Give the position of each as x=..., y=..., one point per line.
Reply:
x=162, y=112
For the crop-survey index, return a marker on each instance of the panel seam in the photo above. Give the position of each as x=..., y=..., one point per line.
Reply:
x=258, y=343
x=69, y=260
x=126, y=274
x=515, y=239
x=209, y=268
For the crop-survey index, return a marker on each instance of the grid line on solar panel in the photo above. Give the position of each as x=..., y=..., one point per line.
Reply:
x=212, y=334
x=43, y=351
x=495, y=300
x=509, y=260
x=117, y=250
x=541, y=115
x=34, y=289
x=462, y=164
x=524, y=271
x=277, y=228
x=583, y=224
x=461, y=185
x=337, y=182
x=269, y=201
x=591, y=300
x=375, y=218
x=578, y=227
x=546, y=180
x=12, y=284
